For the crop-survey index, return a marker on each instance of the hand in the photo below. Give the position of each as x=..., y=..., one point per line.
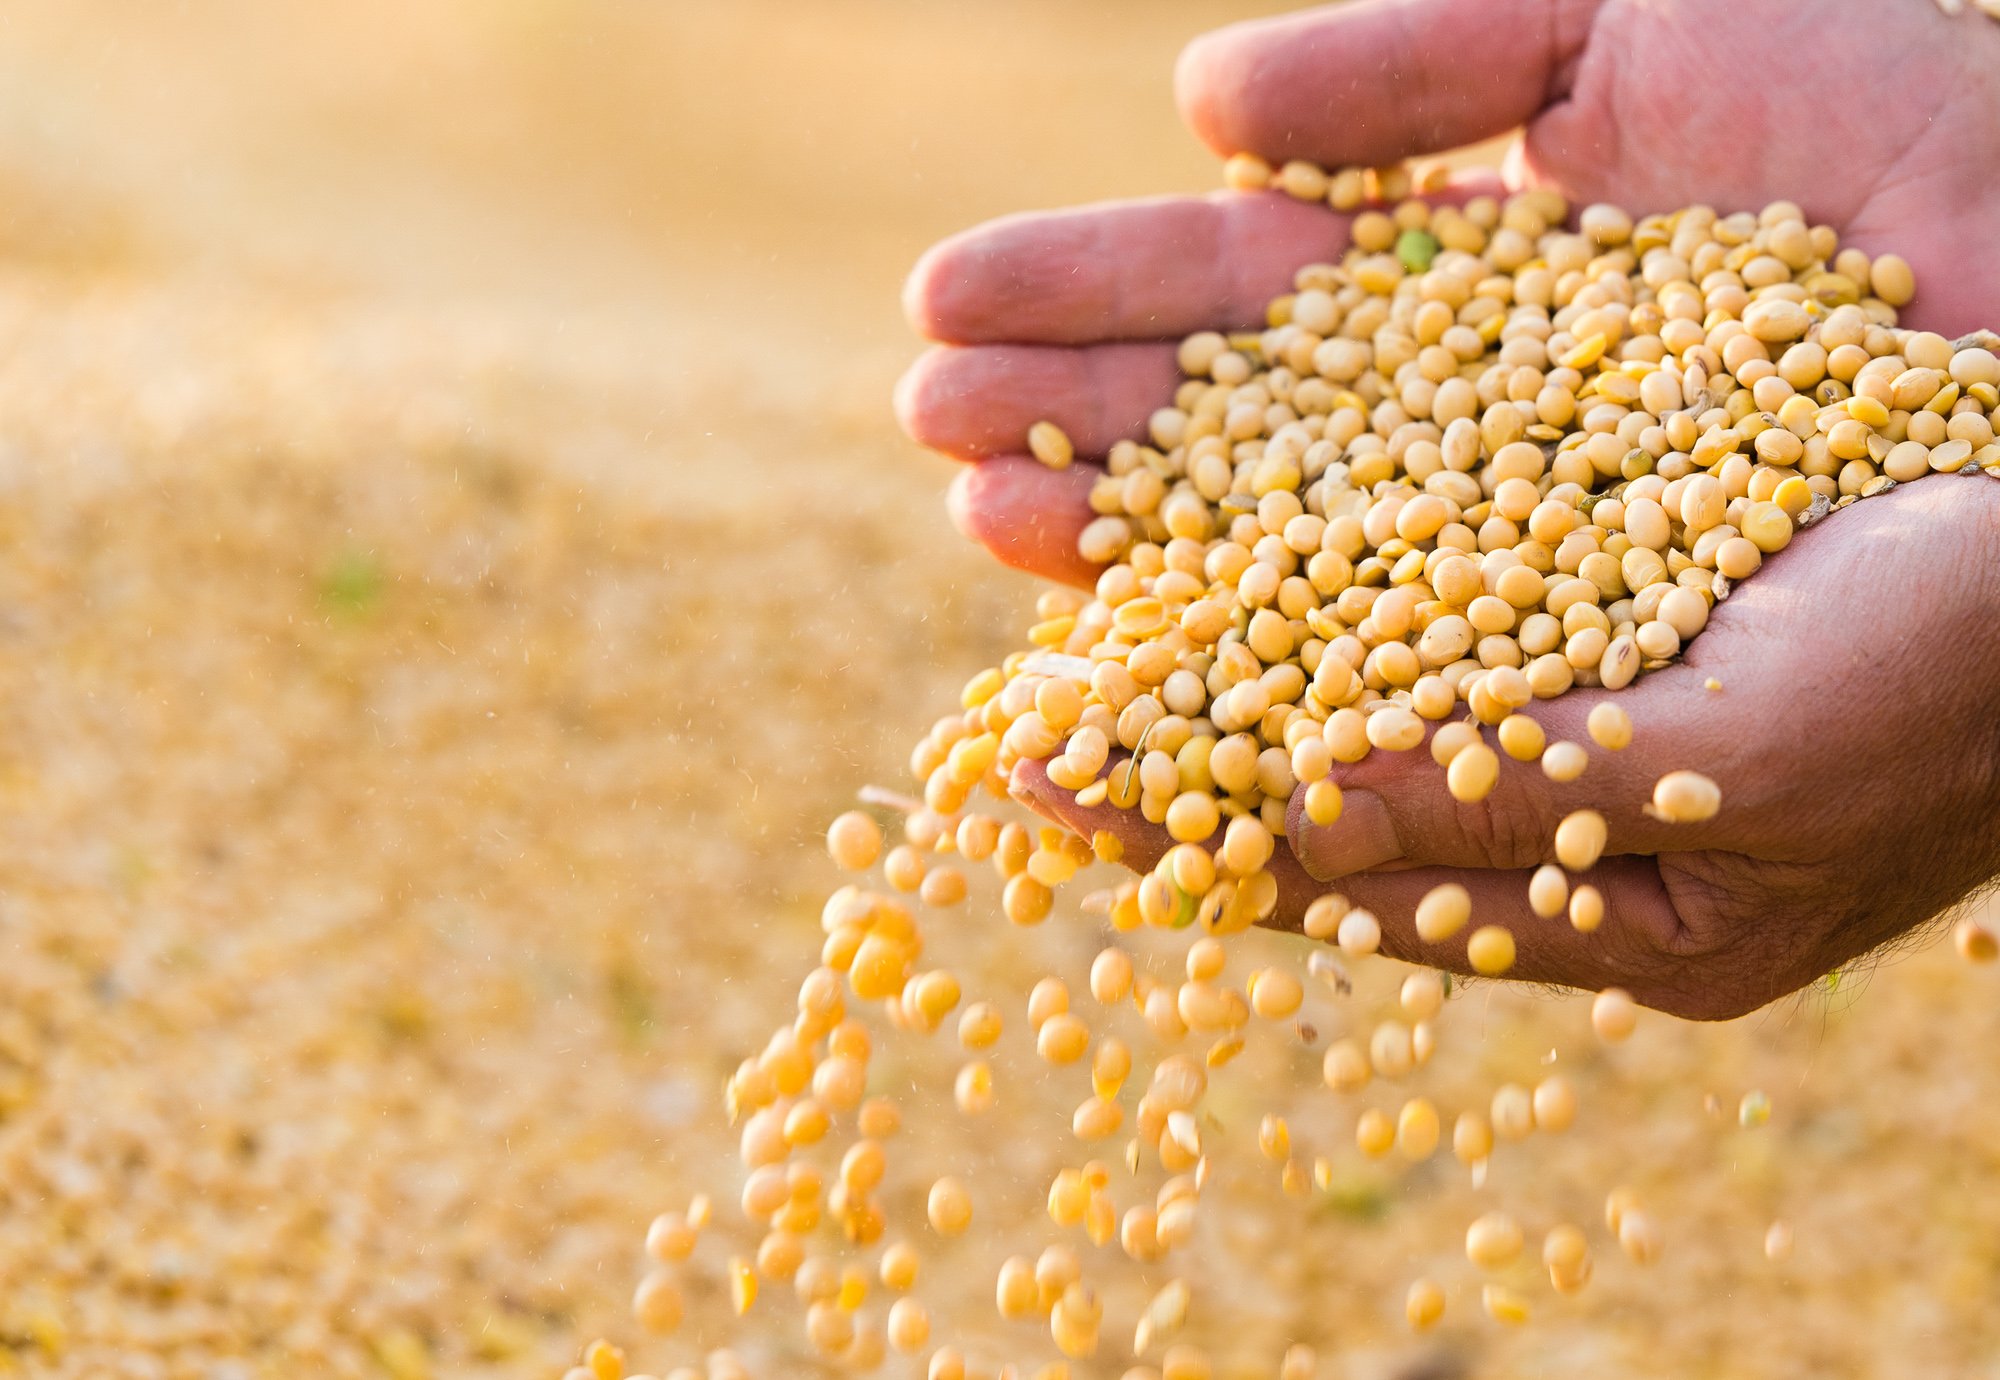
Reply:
x=1851, y=733
x=1840, y=830
x=1882, y=120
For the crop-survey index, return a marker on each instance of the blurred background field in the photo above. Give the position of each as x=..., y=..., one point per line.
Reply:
x=454, y=556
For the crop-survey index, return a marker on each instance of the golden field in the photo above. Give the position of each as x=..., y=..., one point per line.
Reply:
x=458, y=555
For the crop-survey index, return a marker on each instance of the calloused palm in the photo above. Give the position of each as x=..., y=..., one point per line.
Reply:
x=1859, y=784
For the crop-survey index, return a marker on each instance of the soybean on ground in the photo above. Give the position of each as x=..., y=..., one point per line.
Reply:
x=412, y=762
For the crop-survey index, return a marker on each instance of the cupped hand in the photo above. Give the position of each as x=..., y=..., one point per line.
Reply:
x=1841, y=698
x=1850, y=732
x=1880, y=119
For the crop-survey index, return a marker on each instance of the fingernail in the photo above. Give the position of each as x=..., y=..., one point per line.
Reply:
x=1363, y=837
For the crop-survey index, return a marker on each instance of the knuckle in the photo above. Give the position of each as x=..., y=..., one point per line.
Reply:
x=1712, y=911
x=1731, y=939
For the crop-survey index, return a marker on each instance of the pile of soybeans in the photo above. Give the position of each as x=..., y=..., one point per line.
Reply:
x=1482, y=460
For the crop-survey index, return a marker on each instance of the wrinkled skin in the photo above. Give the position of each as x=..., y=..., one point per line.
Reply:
x=1853, y=733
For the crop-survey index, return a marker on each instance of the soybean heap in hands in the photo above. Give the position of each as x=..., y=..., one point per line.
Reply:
x=1481, y=460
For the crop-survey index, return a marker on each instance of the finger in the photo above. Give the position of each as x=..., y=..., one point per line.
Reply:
x=1131, y=270
x=1028, y=515
x=1630, y=948
x=980, y=400
x=1136, y=270
x=1377, y=81
x=1397, y=809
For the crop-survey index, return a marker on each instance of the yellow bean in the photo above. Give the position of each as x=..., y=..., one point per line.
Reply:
x=1443, y=912
x=1049, y=444
x=1424, y=1304
x=949, y=1207
x=1580, y=840
x=1492, y=1241
x=1686, y=797
x=1490, y=951
x=1610, y=726
x=854, y=841
x=1613, y=1014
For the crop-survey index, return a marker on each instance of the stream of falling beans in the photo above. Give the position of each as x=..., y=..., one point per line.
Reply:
x=1480, y=461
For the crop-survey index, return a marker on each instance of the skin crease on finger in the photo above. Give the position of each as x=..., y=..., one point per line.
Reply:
x=1856, y=804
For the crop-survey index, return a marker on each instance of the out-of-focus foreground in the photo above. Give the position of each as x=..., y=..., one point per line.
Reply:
x=456, y=558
